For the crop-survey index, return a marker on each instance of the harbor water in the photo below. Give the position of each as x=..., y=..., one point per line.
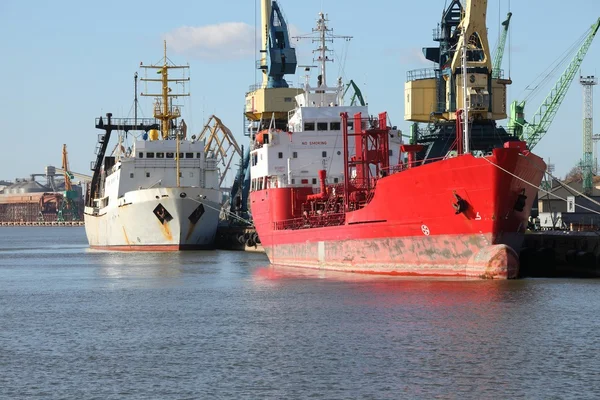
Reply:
x=82, y=324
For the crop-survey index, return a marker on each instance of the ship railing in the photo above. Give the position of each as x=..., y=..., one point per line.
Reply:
x=311, y=221
x=406, y=165
x=171, y=163
x=423, y=73
x=498, y=73
x=256, y=86
x=428, y=73
x=294, y=223
x=125, y=124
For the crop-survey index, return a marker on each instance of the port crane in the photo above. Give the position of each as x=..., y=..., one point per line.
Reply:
x=220, y=141
x=68, y=207
x=356, y=95
x=280, y=57
x=269, y=102
x=499, y=52
x=533, y=131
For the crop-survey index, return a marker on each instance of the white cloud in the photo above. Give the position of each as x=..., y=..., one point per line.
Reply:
x=413, y=56
x=224, y=41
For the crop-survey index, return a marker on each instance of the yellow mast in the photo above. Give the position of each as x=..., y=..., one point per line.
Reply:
x=163, y=107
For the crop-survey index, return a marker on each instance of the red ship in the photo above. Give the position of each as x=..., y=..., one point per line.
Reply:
x=462, y=216
x=342, y=193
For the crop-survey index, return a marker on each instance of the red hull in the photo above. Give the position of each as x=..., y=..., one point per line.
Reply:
x=410, y=226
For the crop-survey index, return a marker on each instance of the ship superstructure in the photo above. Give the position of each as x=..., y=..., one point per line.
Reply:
x=312, y=140
x=338, y=190
x=162, y=192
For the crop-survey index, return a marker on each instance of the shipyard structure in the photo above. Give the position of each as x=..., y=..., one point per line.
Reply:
x=51, y=198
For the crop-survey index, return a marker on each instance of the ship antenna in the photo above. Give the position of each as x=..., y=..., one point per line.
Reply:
x=322, y=35
x=135, y=99
x=465, y=98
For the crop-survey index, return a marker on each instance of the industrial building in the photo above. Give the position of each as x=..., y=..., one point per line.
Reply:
x=565, y=207
x=26, y=201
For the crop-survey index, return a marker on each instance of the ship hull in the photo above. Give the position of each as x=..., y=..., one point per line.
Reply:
x=410, y=226
x=468, y=256
x=156, y=219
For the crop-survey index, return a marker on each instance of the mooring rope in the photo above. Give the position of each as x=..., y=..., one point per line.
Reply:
x=228, y=213
x=543, y=190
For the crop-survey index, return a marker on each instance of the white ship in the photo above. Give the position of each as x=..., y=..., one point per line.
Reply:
x=162, y=193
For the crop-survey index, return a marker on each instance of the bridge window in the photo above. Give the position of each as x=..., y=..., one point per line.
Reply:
x=293, y=181
x=147, y=174
x=197, y=155
x=391, y=152
x=335, y=126
x=131, y=174
x=160, y=155
x=309, y=126
x=295, y=154
x=322, y=126
x=189, y=155
x=324, y=154
x=170, y=155
x=314, y=181
x=350, y=125
x=280, y=155
x=335, y=180
x=149, y=155
x=141, y=155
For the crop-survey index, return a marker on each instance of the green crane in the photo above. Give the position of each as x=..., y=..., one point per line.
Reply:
x=499, y=52
x=533, y=131
x=355, y=95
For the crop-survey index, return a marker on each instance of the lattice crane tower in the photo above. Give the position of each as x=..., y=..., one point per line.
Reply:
x=596, y=139
x=588, y=83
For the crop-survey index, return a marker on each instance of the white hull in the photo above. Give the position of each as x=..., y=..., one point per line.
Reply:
x=139, y=220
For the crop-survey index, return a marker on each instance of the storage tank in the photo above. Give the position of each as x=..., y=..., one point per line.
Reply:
x=32, y=187
x=50, y=170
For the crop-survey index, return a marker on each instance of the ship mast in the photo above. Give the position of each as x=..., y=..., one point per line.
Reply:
x=465, y=100
x=322, y=34
x=135, y=98
x=163, y=105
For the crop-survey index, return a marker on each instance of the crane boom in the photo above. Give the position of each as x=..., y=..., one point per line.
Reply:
x=499, y=52
x=532, y=132
x=356, y=95
x=65, y=167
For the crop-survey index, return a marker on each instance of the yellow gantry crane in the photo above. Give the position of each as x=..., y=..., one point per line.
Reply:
x=220, y=141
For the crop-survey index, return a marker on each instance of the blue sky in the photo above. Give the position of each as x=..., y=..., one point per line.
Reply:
x=68, y=62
